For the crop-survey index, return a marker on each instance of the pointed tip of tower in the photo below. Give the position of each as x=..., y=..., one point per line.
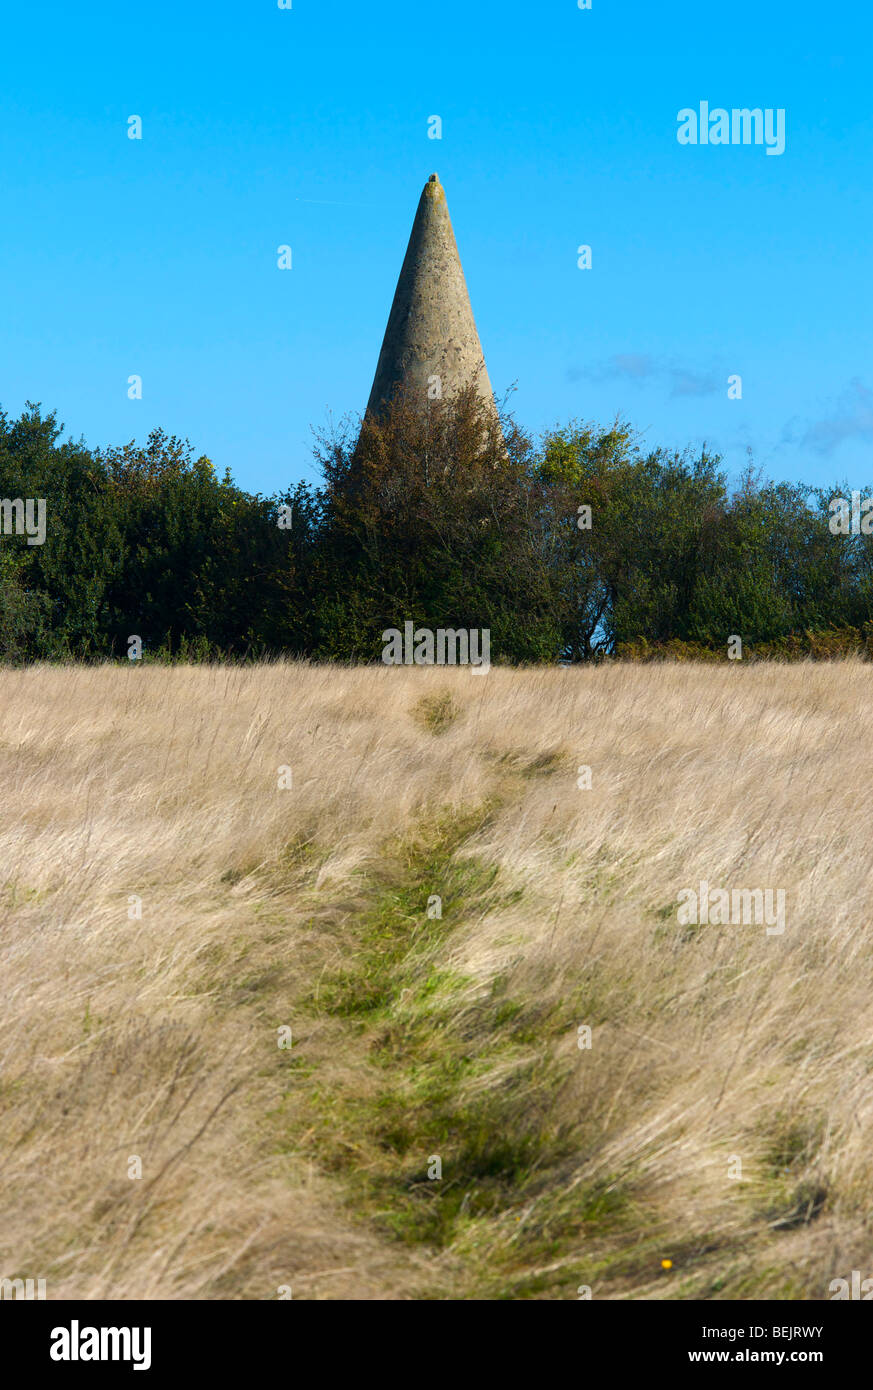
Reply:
x=433, y=191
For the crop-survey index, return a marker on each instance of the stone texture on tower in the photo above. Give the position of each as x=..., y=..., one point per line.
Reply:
x=431, y=332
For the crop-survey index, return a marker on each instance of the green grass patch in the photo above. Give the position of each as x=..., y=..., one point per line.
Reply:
x=436, y=713
x=451, y=1080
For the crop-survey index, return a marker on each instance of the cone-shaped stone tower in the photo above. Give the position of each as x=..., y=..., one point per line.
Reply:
x=431, y=347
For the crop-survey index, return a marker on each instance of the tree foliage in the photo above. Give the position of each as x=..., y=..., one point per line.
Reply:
x=445, y=518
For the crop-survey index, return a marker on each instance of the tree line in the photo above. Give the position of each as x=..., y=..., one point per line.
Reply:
x=579, y=545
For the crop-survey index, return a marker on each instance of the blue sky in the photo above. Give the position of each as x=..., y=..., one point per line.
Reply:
x=309, y=127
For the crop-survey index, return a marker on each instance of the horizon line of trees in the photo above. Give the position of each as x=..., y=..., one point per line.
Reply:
x=577, y=546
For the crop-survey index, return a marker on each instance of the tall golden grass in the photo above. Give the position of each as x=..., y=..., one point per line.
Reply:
x=715, y=1139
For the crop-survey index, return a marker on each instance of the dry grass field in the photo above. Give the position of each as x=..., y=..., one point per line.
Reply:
x=167, y=908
